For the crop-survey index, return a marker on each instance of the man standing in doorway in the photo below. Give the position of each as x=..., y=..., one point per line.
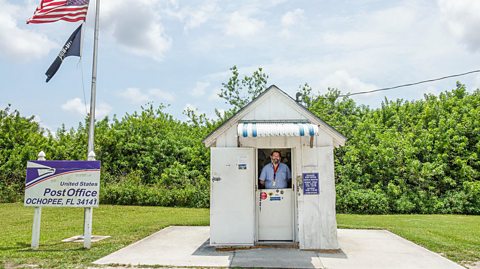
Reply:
x=275, y=175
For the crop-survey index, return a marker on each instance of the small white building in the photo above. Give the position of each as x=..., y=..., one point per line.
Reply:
x=242, y=214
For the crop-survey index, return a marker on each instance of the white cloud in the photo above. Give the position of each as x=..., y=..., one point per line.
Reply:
x=17, y=43
x=342, y=80
x=289, y=75
x=134, y=95
x=137, y=96
x=375, y=29
x=291, y=18
x=363, y=38
x=214, y=96
x=194, y=17
x=76, y=105
x=162, y=95
x=189, y=106
x=291, y=21
x=199, y=16
x=320, y=75
x=242, y=25
x=476, y=82
x=433, y=89
x=368, y=48
x=193, y=108
x=200, y=89
x=136, y=26
x=102, y=110
x=463, y=20
x=38, y=119
x=301, y=71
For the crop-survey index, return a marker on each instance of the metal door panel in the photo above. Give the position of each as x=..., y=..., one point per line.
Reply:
x=232, y=208
x=275, y=215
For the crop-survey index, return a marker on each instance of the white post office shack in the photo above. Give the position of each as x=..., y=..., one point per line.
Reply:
x=244, y=214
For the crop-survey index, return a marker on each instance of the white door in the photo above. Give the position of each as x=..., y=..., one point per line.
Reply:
x=275, y=214
x=232, y=210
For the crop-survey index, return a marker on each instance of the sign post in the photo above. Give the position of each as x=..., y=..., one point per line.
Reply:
x=62, y=184
x=87, y=217
x=37, y=216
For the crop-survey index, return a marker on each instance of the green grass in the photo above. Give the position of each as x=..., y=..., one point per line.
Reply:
x=125, y=224
x=454, y=236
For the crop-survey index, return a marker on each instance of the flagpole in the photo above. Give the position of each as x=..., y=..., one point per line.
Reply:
x=91, y=132
x=88, y=211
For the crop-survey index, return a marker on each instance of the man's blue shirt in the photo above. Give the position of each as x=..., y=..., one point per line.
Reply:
x=282, y=177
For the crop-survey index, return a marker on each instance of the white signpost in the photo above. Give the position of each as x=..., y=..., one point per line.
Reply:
x=62, y=184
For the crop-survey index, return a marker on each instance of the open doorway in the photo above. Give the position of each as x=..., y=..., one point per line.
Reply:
x=264, y=158
x=274, y=202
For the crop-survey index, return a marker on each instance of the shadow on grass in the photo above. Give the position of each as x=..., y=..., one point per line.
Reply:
x=51, y=247
x=18, y=245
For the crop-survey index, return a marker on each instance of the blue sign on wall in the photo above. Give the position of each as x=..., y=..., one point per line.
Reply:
x=310, y=183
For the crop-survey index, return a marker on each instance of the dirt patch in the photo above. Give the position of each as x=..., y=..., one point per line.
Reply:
x=475, y=265
x=17, y=266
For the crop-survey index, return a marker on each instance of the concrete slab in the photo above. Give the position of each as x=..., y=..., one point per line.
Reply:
x=79, y=238
x=382, y=249
x=172, y=246
x=276, y=258
x=189, y=247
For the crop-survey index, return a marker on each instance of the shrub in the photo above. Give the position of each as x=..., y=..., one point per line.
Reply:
x=351, y=199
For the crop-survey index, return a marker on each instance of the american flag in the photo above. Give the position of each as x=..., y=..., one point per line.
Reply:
x=55, y=10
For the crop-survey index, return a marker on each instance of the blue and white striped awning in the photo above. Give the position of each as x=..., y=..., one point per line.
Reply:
x=276, y=129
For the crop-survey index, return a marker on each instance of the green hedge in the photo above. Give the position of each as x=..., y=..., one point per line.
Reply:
x=403, y=157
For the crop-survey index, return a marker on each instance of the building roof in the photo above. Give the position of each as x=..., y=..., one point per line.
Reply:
x=338, y=138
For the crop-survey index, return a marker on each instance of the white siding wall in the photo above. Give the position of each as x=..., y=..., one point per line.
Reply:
x=323, y=139
x=273, y=108
x=316, y=213
x=316, y=222
x=228, y=139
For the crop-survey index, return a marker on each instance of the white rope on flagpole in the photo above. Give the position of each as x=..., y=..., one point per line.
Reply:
x=81, y=69
x=82, y=79
x=83, y=86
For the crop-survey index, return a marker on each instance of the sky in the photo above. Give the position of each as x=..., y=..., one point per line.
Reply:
x=178, y=53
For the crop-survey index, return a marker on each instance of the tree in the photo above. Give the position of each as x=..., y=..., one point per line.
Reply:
x=21, y=139
x=239, y=92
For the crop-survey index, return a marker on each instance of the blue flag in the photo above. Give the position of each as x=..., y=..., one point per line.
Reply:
x=71, y=48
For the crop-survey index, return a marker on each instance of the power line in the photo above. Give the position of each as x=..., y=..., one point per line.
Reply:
x=409, y=84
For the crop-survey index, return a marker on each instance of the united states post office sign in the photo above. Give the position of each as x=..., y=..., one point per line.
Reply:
x=62, y=183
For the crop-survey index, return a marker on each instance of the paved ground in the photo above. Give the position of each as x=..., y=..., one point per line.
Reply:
x=188, y=246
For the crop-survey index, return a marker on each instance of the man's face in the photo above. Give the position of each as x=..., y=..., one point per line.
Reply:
x=275, y=157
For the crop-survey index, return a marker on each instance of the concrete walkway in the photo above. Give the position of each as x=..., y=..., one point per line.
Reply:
x=188, y=246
